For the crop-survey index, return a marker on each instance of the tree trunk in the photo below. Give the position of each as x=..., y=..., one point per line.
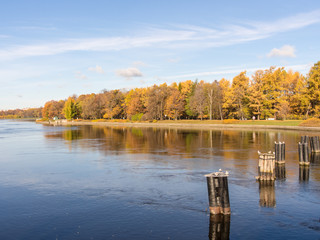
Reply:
x=220, y=111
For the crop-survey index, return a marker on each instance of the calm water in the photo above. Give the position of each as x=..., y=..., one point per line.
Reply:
x=130, y=183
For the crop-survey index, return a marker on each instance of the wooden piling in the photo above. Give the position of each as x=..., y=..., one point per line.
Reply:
x=280, y=155
x=314, y=144
x=306, y=140
x=267, y=194
x=266, y=167
x=303, y=153
x=218, y=193
x=219, y=228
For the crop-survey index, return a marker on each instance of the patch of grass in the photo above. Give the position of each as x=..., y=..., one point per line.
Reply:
x=311, y=122
x=272, y=122
x=234, y=121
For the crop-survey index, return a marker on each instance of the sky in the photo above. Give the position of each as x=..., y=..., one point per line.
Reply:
x=50, y=50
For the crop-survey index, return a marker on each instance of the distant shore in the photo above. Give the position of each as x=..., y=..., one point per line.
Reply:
x=180, y=125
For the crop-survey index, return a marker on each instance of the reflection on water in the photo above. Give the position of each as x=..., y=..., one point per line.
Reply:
x=227, y=143
x=92, y=182
x=315, y=158
x=304, y=171
x=280, y=171
x=267, y=194
x=219, y=228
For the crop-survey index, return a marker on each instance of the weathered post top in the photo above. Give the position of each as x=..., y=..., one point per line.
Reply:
x=218, y=174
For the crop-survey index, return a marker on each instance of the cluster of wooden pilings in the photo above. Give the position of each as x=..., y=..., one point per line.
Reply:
x=271, y=166
x=266, y=167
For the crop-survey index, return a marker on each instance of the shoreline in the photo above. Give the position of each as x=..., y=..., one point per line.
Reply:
x=199, y=126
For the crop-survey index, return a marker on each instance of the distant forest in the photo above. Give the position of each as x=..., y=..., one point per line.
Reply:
x=272, y=93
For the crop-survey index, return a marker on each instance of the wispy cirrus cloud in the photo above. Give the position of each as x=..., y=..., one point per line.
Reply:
x=179, y=36
x=301, y=67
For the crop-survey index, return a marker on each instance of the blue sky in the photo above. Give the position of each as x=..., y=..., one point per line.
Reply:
x=50, y=50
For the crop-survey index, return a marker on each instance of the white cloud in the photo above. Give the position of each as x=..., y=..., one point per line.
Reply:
x=284, y=51
x=129, y=72
x=80, y=75
x=181, y=36
x=97, y=69
x=139, y=64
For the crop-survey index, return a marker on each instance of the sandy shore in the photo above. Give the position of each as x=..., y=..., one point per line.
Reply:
x=184, y=125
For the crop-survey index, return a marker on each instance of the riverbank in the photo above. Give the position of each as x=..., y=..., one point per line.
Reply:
x=248, y=125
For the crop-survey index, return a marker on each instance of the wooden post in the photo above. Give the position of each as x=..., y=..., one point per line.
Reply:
x=312, y=144
x=280, y=155
x=306, y=139
x=304, y=173
x=267, y=194
x=315, y=144
x=303, y=153
x=218, y=193
x=266, y=168
x=219, y=227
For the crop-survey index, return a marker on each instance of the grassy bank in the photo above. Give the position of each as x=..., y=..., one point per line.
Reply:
x=245, y=122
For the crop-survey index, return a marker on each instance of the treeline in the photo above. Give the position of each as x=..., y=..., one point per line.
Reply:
x=271, y=93
x=21, y=113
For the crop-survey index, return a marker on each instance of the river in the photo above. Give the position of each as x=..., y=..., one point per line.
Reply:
x=90, y=182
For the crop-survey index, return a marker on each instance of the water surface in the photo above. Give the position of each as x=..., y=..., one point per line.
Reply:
x=91, y=182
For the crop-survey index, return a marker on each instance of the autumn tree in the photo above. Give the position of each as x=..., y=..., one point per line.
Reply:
x=53, y=109
x=70, y=109
x=114, y=101
x=92, y=106
x=313, y=88
x=198, y=100
x=225, y=93
x=298, y=99
x=238, y=97
x=213, y=98
x=155, y=103
x=134, y=102
x=256, y=95
x=175, y=103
